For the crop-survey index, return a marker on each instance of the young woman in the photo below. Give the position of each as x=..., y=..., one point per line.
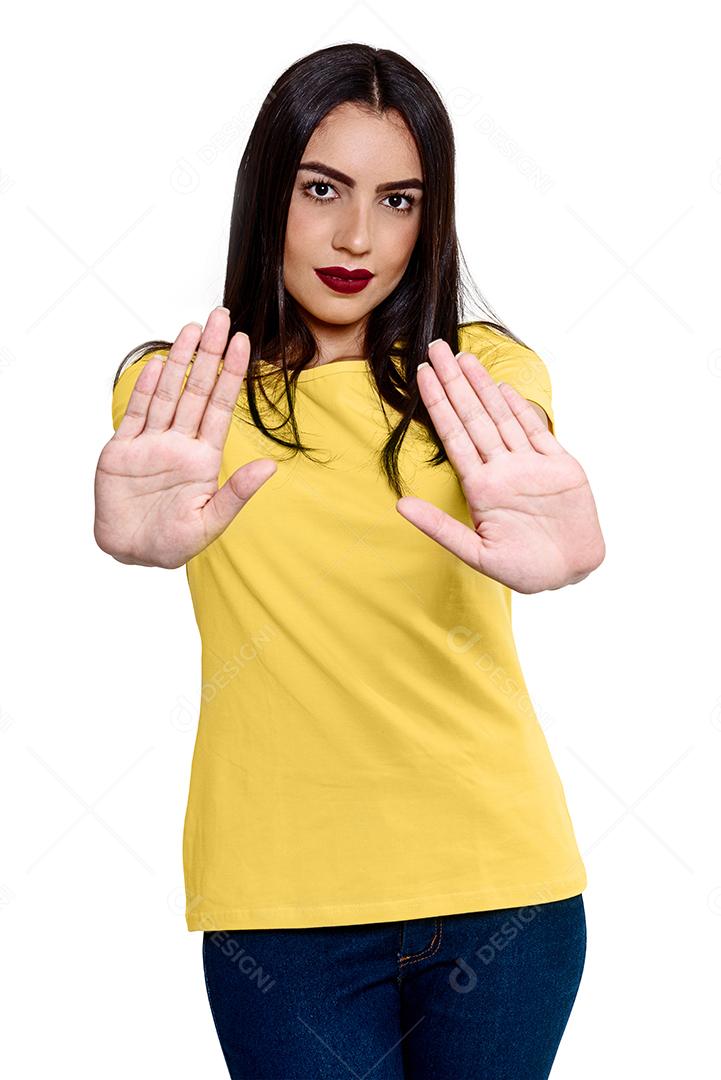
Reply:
x=377, y=846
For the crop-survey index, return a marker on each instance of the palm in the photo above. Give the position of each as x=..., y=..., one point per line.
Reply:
x=157, y=500
x=154, y=488
x=534, y=518
x=521, y=505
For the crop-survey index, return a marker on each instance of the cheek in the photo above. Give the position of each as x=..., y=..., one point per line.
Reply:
x=303, y=228
x=398, y=248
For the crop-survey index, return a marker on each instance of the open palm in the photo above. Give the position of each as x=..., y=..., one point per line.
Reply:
x=533, y=512
x=157, y=501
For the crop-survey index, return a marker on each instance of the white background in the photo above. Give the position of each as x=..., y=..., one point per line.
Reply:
x=589, y=204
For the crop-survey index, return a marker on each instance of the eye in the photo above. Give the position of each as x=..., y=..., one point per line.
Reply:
x=408, y=196
x=410, y=199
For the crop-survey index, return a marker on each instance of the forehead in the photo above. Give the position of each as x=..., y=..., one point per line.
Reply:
x=365, y=144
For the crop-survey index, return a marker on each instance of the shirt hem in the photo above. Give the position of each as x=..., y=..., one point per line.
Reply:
x=297, y=917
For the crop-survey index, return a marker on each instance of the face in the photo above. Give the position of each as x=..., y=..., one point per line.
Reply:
x=338, y=218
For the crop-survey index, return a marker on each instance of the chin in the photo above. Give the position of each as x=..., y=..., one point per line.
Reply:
x=335, y=314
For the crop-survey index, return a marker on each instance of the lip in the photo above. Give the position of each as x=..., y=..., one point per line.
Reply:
x=340, y=271
x=343, y=281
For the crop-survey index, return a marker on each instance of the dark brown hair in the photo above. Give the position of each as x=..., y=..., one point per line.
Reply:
x=428, y=300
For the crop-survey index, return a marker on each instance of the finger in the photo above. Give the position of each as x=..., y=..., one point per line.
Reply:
x=216, y=418
x=134, y=420
x=203, y=375
x=165, y=399
x=483, y=384
x=441, y=527
x=474, y=395
x=469, y=411
x=537, y=432
x=458, y=444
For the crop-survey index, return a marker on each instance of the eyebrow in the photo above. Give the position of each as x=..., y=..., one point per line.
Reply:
x=318, y=166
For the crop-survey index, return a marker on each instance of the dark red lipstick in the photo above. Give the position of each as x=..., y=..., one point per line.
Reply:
x=343, y=281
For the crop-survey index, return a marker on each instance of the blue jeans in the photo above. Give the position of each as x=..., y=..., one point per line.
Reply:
x=484, y=995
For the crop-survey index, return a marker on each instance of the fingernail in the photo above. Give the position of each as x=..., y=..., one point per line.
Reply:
x=435, y=341
x=225, y=309
x=423, y=364
x=459, y=353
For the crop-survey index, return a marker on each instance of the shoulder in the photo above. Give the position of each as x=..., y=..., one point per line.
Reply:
x=488, y=341
x=509, y=361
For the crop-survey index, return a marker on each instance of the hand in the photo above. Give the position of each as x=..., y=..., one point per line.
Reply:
x=534, y=516
x=157, y=501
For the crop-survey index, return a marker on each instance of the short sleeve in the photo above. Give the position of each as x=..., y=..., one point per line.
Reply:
x=126, y=384
x=508, y=361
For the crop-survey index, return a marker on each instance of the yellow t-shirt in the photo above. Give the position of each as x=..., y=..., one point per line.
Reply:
x=366, y=746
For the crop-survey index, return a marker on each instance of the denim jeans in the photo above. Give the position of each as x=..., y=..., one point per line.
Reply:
x=483, y=995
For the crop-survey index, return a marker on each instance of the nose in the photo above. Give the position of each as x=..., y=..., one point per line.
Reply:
x=354, y=230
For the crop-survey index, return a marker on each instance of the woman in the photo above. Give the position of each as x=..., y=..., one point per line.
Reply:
x=376, y=844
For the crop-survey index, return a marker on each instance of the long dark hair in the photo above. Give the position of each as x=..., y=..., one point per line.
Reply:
x=426, y=302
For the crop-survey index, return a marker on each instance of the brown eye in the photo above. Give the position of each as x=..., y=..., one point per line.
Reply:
x=408, y=196
x=317, y=183
x=410, y=199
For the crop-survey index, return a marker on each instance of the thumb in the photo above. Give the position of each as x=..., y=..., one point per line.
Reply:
x=240, y=486
x=453, y=535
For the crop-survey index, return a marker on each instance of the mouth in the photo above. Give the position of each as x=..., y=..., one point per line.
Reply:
x=341, y=272
x=342, y=280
